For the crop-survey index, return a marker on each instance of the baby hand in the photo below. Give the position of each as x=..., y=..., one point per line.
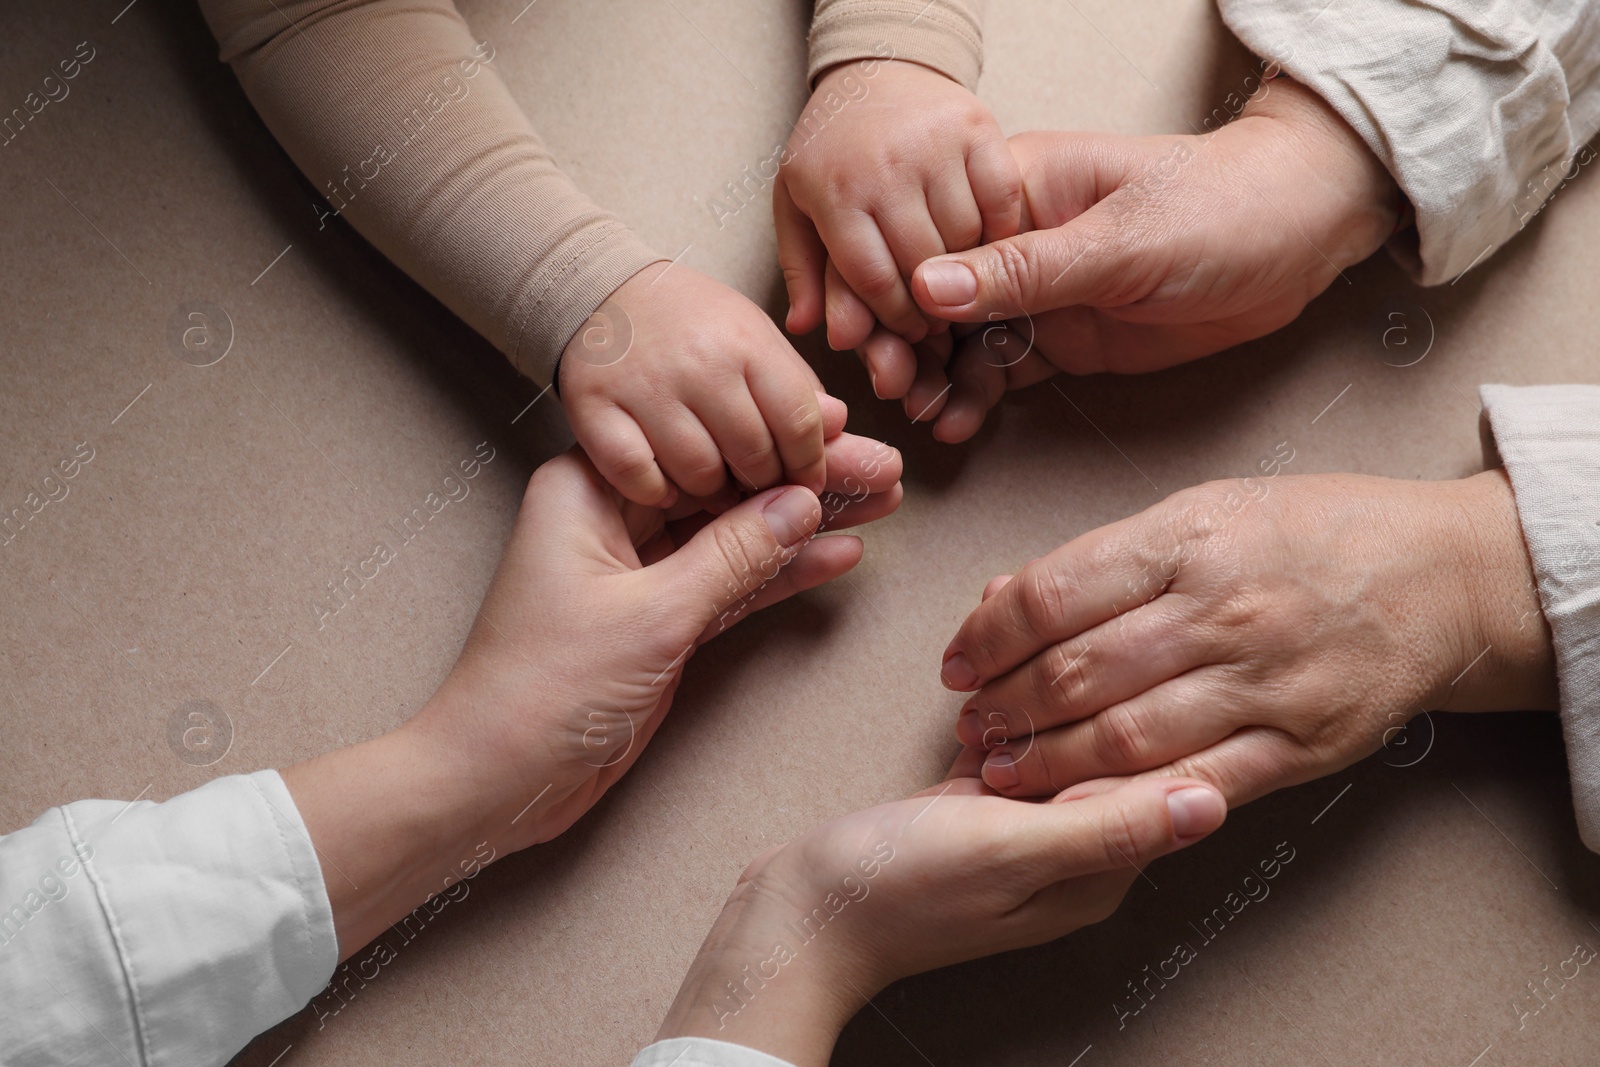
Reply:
x=677, y=380
x=890, y=164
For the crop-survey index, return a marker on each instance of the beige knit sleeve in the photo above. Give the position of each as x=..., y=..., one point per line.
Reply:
x=946, y=35
x=399, y=118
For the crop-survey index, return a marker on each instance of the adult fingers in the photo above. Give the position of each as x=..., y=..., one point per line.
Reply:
x=818, y=561
x=1072, y=680
x=858, y=466
x=930, y=390
x=976, y=386
x=1250, y=763
x=802, y=256
x=1120, y=829
x=1172, y=720
x=1078, y=586
x=734, y=555
x=1082, y=262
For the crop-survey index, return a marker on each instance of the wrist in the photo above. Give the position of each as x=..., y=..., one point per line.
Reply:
x=1364, y=204
x=1507, y=641
x=758, y=981
x=393, y=824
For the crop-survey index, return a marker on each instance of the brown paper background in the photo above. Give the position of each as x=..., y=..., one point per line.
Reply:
x=182, y=562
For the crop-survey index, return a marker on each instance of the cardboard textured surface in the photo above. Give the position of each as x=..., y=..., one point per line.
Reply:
x=187, y=559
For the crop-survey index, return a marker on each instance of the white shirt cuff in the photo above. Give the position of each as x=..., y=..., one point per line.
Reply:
x=1549, y=438
x=703, y=1052
x=160, y=934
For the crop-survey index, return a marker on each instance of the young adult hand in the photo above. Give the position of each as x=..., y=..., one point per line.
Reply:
x=819, y=926
x=569, y=669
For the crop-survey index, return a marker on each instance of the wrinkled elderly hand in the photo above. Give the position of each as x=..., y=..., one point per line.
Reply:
x=1144, y=252
x=1253, y=634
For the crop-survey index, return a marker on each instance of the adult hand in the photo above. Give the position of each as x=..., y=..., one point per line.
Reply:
x=819, y=926
x=570, y=666
x=1253, y=634
x=1145, y=252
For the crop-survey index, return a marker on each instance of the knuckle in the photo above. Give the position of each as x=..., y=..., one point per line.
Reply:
x=633, y=464
x=877, y=282
x=1121, y=739
x=1014, y=271
x=704, y=475
x=1043, y=598
x=747, y=561
x=1125, y=835
x=1063, y=675
x=805, y=424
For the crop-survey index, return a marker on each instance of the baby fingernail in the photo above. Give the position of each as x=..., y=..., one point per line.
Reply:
x=969, y=731
x=1000, y=771
x=1195, y=811
x=951, y=284
x=958, y=674
x=791, y=515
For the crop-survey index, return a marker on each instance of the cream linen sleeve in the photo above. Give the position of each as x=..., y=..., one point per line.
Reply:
x=399, y=119
x=163, y=935
x=703, y=1052
x=1548, y=436
x=946, y=35
x=1479, y=108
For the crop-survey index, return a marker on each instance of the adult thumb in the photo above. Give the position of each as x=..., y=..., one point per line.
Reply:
x=1033, y=272
x=738, y=554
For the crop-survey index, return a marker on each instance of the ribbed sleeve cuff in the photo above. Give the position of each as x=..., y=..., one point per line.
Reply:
x=946, y=35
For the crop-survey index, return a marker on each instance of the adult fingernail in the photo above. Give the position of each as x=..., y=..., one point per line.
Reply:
x=950, y=283
x=969, y=731
x=957, y=673
x=791, y=515
x=1195, y=811
x=1000, y=771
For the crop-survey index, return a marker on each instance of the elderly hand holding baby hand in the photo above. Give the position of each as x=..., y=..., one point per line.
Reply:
x=1144, y=252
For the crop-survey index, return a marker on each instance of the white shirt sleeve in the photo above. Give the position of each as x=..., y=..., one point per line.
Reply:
x=703, y=1052
x=162, y=935
x=1479, y=108
x=1549, y=438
